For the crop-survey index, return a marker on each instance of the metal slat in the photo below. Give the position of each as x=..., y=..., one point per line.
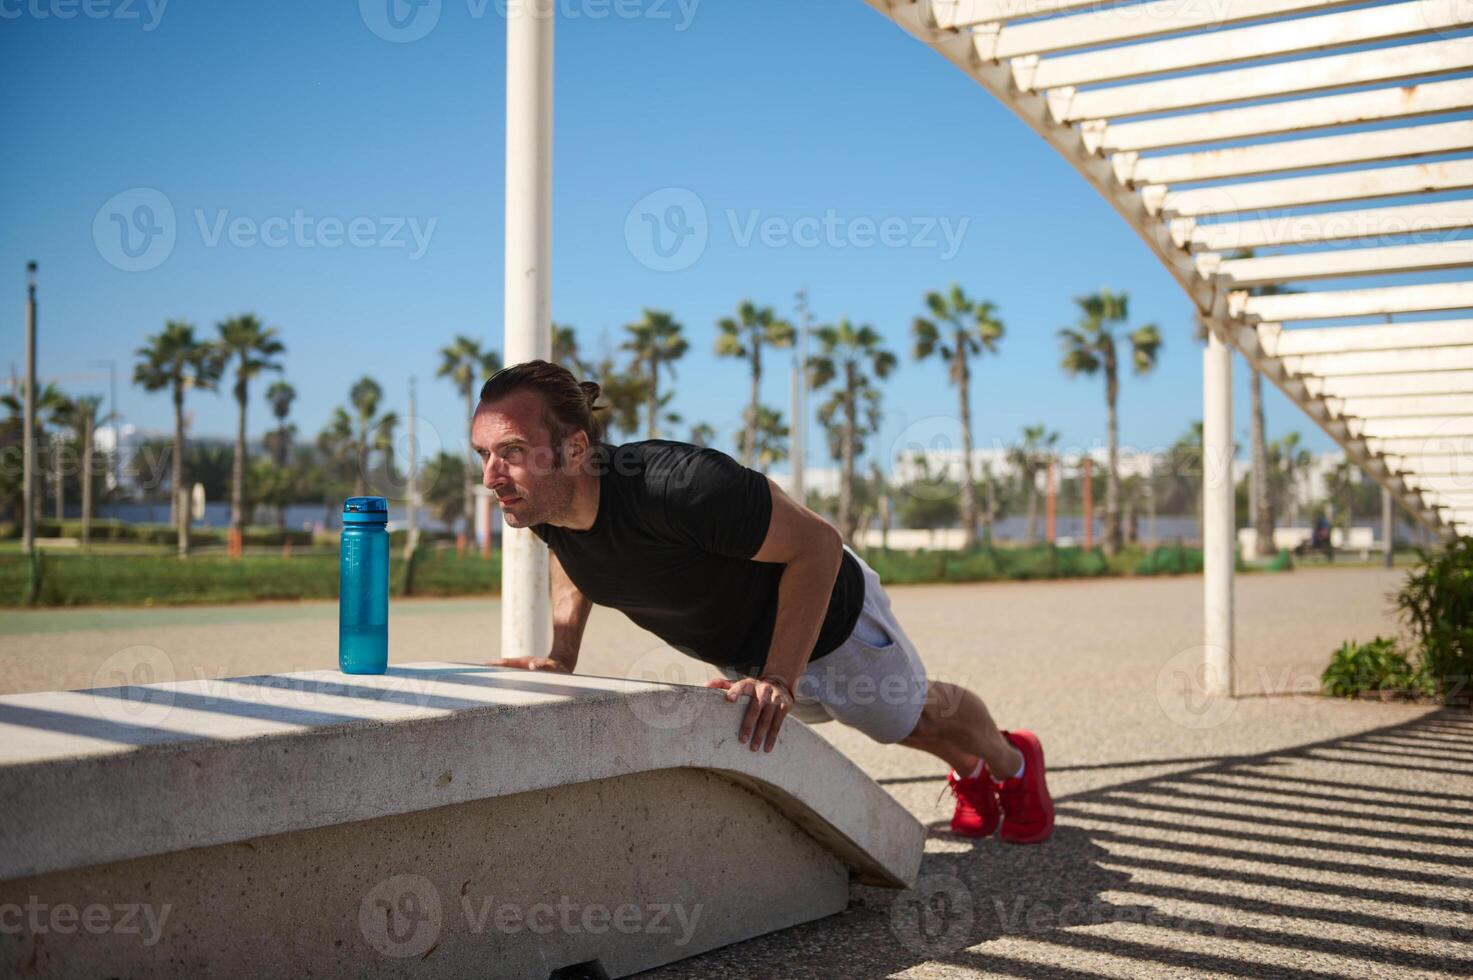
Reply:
x=1289, y=116
x=1424, y=450
x=1351, y=185
x=1266, y=81
x=1354, y=302
x=1207, y=50
x=1139, y=20
x=1380, y=385
x=1417, y=428
x=1338, y=340
x=1403, y=406
x=1321, y=151
x=1332, y=263
x=1303, y=229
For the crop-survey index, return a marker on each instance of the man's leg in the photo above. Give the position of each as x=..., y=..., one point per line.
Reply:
x=956, y=727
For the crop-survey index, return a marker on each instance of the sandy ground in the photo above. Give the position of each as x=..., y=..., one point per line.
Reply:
x=1279, y=834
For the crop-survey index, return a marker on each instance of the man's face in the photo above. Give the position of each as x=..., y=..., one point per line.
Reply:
x=518, y=462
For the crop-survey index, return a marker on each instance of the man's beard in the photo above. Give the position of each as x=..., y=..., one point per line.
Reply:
x=554, y=500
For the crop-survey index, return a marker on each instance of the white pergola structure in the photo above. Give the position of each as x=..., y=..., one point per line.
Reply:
x=1187, y=116
x=1271, y=153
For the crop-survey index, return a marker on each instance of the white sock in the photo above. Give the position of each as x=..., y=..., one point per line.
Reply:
x=977, y=771
x=1022, y=764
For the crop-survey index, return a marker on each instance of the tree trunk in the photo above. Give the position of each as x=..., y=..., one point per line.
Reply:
x=86, y=481
x=237, y=466
x=1032, y=530
x=181, y=495
x=989, y=513
x=1262, y=507
x=652, y=401
x=846, y=461
x=58, y=445
x=468, y=501
x=360, y=455
x=969, y=490
x=1113, y=540
x=749, y=451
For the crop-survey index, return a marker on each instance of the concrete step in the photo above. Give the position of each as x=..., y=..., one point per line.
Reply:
x=438, y=820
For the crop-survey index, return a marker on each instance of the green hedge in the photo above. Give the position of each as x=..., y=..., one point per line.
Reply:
x=111, y=530
x=69, y=579
x=986, y=564
x=131, y=580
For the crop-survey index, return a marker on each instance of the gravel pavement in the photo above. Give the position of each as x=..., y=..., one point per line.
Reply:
x=1279, y=834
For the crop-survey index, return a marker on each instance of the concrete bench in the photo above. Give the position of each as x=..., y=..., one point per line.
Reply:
x=438, y=820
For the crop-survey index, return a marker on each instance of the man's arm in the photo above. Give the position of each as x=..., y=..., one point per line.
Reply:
x=570, y=610
x=811, y=551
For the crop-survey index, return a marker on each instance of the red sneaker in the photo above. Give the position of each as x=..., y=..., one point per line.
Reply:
x=1028, y=810
x=977, y=814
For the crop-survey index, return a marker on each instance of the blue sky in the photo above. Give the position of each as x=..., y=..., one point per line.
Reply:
x=294, y=120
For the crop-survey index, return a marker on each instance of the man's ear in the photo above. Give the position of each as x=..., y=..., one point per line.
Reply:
x=575, y=449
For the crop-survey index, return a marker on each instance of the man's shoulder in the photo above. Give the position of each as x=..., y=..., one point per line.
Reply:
x=657, y=460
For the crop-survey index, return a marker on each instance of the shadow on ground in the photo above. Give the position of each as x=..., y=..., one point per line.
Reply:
x=1349, y=856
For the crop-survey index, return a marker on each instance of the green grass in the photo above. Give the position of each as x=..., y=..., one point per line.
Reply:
x=72, y=578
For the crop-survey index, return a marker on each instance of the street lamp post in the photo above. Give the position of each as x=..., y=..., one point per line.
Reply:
x=28, y=439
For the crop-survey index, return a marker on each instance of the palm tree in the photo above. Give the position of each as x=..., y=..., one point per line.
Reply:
x=654, y=340
x=1089, y=348
x=274, y=484
x=624, y=394
x=1184, y=474
x=1287, y=459
x=702, y=434
x=49, y=401
x=85, y=419
x=353, y=437
x=565, y=350
x=744, y=336
x=281, y=395
x=466, y=365
x=961, y=328
x=62, y=414
x=849, y=354
x=251, y=345
x=1031, y=457
x=769, y=439
x=177, y=360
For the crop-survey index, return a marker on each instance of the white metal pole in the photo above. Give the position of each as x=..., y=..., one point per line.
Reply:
x=526, y=619
x=1217, y=515
x=1388, y=527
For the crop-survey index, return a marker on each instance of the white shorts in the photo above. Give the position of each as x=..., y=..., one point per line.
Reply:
x=874, y=681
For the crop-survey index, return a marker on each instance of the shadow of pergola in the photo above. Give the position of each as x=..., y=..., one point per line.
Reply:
x=1349, y=856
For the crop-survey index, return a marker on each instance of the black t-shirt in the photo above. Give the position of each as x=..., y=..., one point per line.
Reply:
x=672, y=549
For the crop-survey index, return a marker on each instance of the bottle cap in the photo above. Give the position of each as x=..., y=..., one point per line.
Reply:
x=365, y=510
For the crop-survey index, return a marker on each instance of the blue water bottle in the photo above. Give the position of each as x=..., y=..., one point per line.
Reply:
x=363, y=587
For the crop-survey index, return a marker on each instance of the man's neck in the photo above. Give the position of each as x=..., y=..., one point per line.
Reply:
x=583, y=511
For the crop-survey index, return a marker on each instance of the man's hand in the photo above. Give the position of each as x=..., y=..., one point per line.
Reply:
x=771, y=703
x=533, y=663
